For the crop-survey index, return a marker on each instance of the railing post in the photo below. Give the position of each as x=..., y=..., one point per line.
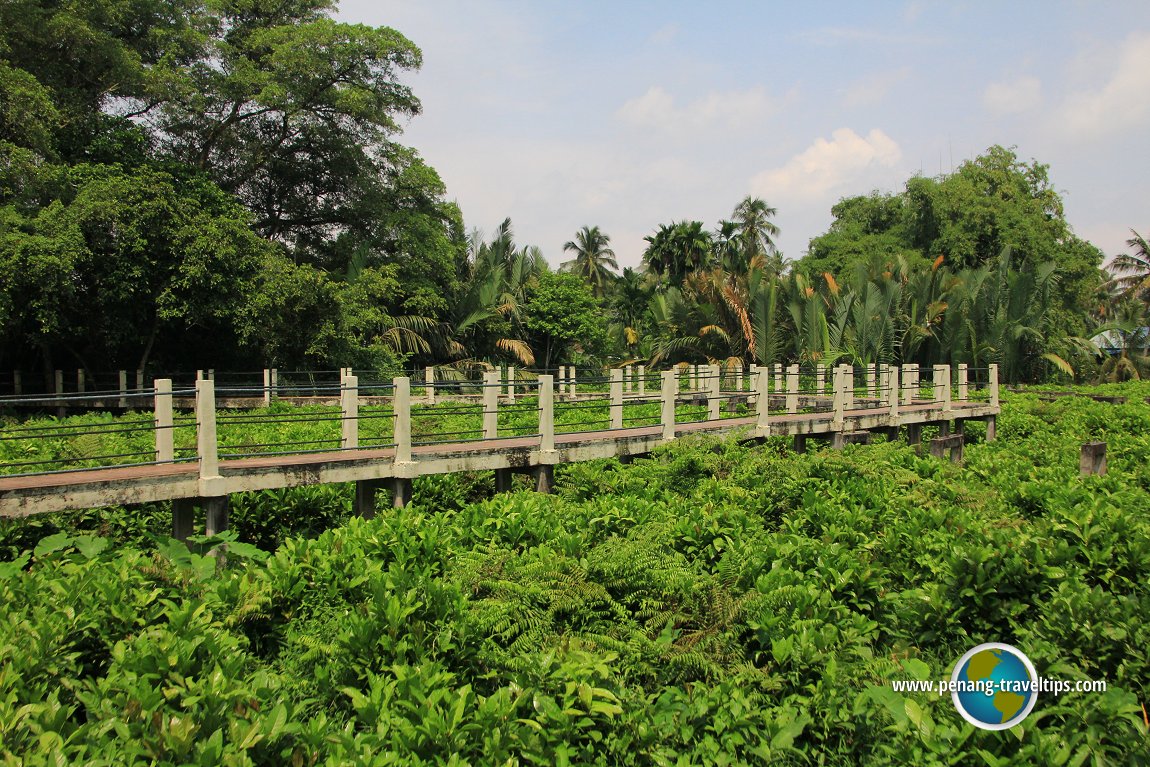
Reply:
x=546, y=414
x=642, y=380
x=401, y=404
x=714, y=392
x=942, y=386
x=963, y=382
x=267, y=387
x=616, y=394
x=429, y=384
x=792, y=388
x=80, y=382
x=139, y=380
x=670, y=393
x=123, y=389
x=17, y=384
x=562, y=378
x=778, y=369
x=915, y=381
x=626, y=379
x=907, y=392
x=993, y=375
x=840, y=387
x=206, y=447
x=753, y=374
x=349, y=408
x=848, y=384
x=59, y=383
x=275, y=382
x=762, y=387
x=571, y=383
x=892, y=375
x=162, y=404
x=820, y=379
x=511, y=383
x=739, y=376
x=871, y=381
x=491, y=405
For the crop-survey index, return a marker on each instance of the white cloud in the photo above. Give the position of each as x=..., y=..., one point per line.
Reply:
x=826, y=166
x=874, y=89
x=1118, y=103
x=657, y=109
x=664, y=34
x=1018, y=95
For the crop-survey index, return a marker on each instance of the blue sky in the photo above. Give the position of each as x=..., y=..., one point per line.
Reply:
x=626, y=115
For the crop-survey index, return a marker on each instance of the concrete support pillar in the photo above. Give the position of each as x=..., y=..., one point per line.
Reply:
x=944, y=428
x=991, y=428
x=616, y=396
x=993, y=374
x=206, y=447
x=544, y=478
x=162, y=403
x=349, y=411
x=491, y=388
x=762, y=385
x=714, y=391
x=963, y=382
x=123, y=389
x=503, y=480
x=366, y=496
x=429, y=384
x=402, y=405
x=669, y=395
x=1092, y=459
x=546, y=414
x=838, y=440
x=400, y=492
x=793, y=389
x=800, y=443
x=914, y=433
x=215, y=514
x=183, y=518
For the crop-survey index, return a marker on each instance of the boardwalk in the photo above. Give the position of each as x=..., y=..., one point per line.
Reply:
x=891, y=402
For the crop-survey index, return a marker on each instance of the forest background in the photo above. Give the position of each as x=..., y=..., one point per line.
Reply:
x=187, y=185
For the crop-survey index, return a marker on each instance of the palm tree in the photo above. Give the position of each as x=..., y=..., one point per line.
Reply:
x=592, y=259
x=1134, y=268
x=757, y=233
x=677, y=250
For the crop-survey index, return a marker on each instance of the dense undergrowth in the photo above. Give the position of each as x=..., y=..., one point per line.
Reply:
x=716, y=604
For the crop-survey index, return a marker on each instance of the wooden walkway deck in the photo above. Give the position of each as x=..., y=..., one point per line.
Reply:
x=374, y=468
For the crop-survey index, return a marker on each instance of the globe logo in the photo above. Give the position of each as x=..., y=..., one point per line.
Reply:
x=994, y=686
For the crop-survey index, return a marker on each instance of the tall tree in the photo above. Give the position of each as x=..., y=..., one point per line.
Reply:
x=593, y=260
x=757, y=233
x=1133, y=269
x=675, y=251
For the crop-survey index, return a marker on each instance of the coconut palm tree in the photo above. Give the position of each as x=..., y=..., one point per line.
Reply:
x=1133, y=269
x=594, y=261
x=757, y=233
